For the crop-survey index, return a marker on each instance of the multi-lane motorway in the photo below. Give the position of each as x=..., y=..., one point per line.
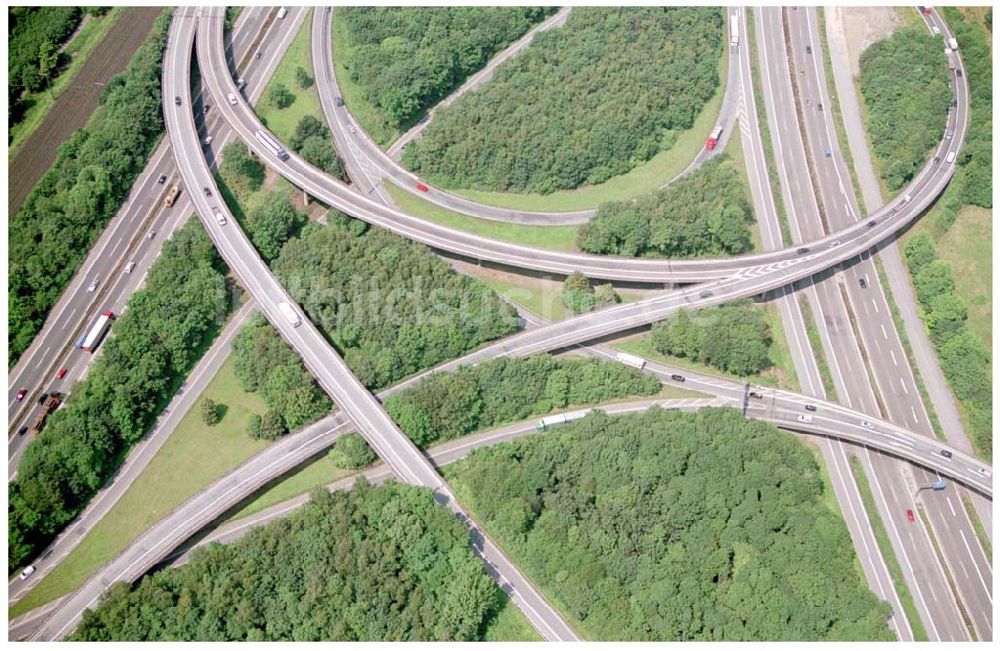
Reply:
x=135, y=234
x=829, y=419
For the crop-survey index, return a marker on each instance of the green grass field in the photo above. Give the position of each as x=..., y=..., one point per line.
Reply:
x=192, y=458
x=968, y=247
x=283, y=121
x=78, y=49
x=644, y=178
x=557, y=238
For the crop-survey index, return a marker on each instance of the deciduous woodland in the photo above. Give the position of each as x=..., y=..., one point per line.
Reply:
x=673, y=526
x=374, y=563
x=582, y=104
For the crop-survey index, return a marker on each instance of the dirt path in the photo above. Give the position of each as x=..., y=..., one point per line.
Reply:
x=859, y=27
x=73, y=107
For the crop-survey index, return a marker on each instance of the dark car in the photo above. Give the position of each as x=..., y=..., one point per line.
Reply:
x=959, y=72
x=338, y=100
x=177, y=101
x=754, y=394
x=810, y=407
x=677, y=378
x=22, y=430
x=946, y=454
x=207, y=192
x=809, y=49
x=162, y=179
x=802, y=249
x=863, y=283
x=42, y=398
x=705, y=293
x=872, y=222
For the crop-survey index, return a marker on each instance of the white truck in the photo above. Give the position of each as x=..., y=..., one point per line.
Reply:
x=289, y=313
x=953, y=44
x=561, y=419
x=734, y=30
x=631, y=360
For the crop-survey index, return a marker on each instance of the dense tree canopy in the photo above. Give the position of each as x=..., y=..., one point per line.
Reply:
x=580, y=296
x=265, y=364
x=74, y=200
x=904, y=82
x=583, y=103
x=35, y=35
x=313, y=141
x=673, y=526
x=408, y=58
x=374, y=563
x=445, y=406
x=156, y=341
x=351, y=452
x=704, y=214
x=965, y=361
x=734, y=337
x=390, y=306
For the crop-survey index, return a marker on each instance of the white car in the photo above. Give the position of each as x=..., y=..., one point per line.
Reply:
x=232, y=99
x=93, y=285
x=26, y=572
x=207, y=140
x=129, y=267
x=805, y=418
x=867, y=424
x=985, y=473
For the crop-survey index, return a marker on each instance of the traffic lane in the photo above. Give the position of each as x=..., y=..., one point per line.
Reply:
x=896, y=385
x=318, y=184
x=143, y=202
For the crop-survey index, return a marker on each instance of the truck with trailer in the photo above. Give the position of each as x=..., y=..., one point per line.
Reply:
x=49, y=406
x=561, y=419
x=171, y=195
x=91, y=339
x=713, y=138
x=631, y=360
x=272, y=145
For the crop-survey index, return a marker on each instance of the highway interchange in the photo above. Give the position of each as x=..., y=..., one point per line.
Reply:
x=910, y=441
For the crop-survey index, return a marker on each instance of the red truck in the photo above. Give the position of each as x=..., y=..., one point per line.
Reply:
x=713, y=138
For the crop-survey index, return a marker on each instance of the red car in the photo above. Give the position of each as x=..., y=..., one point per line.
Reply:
x=21, y=393
x=422, y=187
x=61, y=373
x=909, y=515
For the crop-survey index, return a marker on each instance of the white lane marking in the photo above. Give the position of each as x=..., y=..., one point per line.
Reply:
x=986, y=588
x=884, y=334
x=874, y=302
x=892, y=354
x=951, y=506
x=916, y=421
x=902, y=383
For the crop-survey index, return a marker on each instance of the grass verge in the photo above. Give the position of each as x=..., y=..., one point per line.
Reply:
x=178, y=471
x=817, y=347
x=882, y=540
x=977, y=525
x=642, y=179
x=509, y=625
x=283, y=121
x=41, y=102
x=557, y=238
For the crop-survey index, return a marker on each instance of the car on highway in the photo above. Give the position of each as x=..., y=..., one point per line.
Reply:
x=42, y=398
x=949, y=133
x=219, y=217
x=352, y=128
x=809, y=49
x=162, y=179
x=93, y=285
x=20, y=394
x=754, y=394
x=946, y=454
x=677, y=378
x=22, y=430
x=827, y=152
x=338, y=101
x=61, y=373
x=151, y=235
x=258, y=55
x=802, y=249
x=207, y=192
x=204, y=109
x=805, y=418
x=984, y=472
x=820, y=106
x=871, y=223
x=129, y=267
x=810, y=407
x=705, y=293
x=26, y=572
x=207, y=140
x=241, y=82
x=910, y=516
x=232, y=99
x=863, y=283
x=867, y=424
x=834, y=243
x=177, y=101
x=422, y=187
